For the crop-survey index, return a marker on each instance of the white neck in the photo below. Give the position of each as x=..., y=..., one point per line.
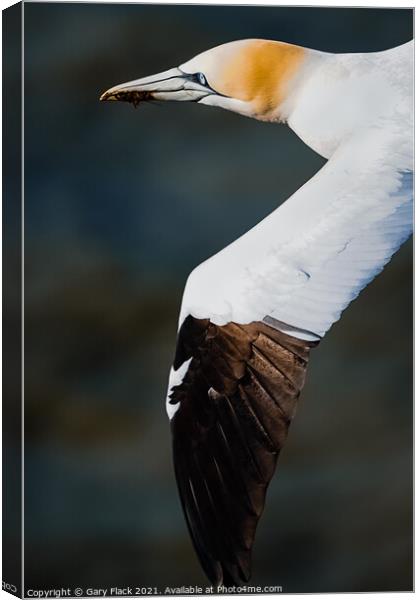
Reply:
x=304, y=108
x=336, y=94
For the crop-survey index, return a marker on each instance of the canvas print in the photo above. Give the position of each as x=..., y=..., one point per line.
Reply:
x=208, y=264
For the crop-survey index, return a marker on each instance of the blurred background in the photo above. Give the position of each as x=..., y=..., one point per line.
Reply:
x=120, y=205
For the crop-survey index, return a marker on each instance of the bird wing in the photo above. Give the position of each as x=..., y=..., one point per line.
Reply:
x=306, y=261
x=237, y=372
x=232, y=413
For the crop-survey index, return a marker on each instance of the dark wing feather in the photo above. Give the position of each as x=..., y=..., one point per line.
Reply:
x=237, y=400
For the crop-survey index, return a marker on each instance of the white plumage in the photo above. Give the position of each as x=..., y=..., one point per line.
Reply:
x=252, y=313
x=306, y=261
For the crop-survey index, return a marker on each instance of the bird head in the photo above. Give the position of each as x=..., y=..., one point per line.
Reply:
x=254, y=78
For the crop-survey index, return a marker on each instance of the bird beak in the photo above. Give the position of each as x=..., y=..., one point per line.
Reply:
x=168, y=85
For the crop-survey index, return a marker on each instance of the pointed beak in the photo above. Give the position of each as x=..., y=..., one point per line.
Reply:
x=168, y=85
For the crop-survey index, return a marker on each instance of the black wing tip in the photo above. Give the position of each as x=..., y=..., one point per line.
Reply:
x=223, y=578
x=209, y=428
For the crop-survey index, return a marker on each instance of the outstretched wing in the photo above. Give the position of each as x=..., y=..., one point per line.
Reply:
x=306, y=261
x=232, y=411
x=249, y=317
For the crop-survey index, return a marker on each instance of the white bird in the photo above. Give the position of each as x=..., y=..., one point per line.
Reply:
x=251, y=314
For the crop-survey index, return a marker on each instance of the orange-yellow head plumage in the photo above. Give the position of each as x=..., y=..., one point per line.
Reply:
x=258, y=72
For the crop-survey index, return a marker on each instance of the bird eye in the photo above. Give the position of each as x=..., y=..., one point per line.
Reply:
x=202, y=78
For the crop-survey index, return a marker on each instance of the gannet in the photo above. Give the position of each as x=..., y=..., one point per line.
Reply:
x=252, y=313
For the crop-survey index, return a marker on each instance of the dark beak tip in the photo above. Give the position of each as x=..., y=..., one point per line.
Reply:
x=132, y=96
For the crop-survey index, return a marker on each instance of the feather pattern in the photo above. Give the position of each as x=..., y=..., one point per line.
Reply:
x=312, y=256
x=236, y=402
